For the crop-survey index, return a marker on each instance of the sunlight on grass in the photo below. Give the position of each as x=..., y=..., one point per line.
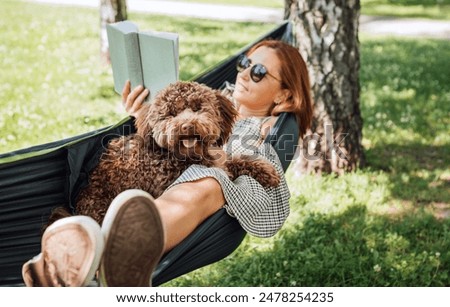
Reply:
x=432, y=9
x=51, y=89
x=405, y=90
x=55, y=86
x=413, y=11
x=257, y=3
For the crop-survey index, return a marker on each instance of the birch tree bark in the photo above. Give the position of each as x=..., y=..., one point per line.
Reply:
x=327, y=37
x=110, y=11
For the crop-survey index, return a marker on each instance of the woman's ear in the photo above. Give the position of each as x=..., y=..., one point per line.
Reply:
x=282, y=96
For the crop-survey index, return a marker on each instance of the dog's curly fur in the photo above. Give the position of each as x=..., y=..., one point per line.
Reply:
x=176, y=130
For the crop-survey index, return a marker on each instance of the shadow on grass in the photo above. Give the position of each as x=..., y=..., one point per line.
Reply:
x=418, y=174
x=348, y=249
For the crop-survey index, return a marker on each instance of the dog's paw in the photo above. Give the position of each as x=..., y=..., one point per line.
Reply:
x=265, y=173
x=259, y=169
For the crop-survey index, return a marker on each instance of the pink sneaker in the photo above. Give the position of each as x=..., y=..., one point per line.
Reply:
x=71, y=252
x=134, y=240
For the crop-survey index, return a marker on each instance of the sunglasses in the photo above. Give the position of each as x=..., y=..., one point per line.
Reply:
x=257, y=72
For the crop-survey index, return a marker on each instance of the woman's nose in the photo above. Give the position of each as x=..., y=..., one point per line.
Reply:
x=245, y=74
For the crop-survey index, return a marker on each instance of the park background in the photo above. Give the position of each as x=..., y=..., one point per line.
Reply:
x=384, y=225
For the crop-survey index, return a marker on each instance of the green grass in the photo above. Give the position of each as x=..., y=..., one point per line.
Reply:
x=52, y=85
x=430, y=9
x=258, y=3
x=385, y=225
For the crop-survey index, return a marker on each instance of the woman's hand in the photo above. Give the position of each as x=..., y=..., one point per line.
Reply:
x=133, y=100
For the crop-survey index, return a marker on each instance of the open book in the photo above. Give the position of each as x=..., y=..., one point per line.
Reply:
x=147, y=58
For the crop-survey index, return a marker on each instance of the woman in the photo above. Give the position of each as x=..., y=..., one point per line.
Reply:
x=272, y=78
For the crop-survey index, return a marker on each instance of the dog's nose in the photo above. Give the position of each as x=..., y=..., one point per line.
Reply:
x=185, y=127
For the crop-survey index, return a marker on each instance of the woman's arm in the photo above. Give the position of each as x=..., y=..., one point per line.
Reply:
x=260, y=211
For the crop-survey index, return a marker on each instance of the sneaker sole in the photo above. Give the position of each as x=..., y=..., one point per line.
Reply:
x=134, y=240
x=33, y=272
x=72, y=249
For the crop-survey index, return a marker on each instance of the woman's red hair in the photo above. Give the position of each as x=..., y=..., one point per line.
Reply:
x=295, y=78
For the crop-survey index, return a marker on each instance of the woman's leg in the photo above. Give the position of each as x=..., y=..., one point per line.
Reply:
x=182, y=208
x=185, y=206
x=138, y=229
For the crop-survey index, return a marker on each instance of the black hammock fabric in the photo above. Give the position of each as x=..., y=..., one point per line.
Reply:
x=36, y=179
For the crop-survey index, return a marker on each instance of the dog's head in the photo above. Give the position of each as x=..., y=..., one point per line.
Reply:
x=187, y=118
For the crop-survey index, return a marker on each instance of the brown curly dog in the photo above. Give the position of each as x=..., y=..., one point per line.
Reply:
x=179, y=128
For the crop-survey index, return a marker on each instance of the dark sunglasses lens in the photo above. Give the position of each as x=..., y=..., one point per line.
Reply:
x=242, y=63
x=258, y=72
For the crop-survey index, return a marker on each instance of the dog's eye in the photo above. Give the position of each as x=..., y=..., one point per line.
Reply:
x=166, y=115
x=173, y=112
x=196, y=105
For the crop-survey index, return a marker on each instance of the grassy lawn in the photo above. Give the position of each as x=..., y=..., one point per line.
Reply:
x=385, y=225
x=433, y=9
x=260, y=3
x=54, y=86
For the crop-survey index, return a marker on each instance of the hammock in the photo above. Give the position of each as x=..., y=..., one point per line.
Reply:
x=36, y=179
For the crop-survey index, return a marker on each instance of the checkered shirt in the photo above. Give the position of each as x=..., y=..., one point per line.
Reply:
x=260, y=211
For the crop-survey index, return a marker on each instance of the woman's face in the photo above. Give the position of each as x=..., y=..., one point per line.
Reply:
x=256, y=99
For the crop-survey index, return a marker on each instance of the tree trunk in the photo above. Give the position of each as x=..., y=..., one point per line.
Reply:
x=110, y=11
x=327, y=37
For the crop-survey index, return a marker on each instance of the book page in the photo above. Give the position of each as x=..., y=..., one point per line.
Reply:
x=124, y=54
x=159, y=58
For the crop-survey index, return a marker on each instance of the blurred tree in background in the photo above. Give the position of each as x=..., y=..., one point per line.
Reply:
x=110, y=11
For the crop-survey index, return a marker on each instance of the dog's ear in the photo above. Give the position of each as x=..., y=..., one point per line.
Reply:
x=228, y=113
x=144, y=120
